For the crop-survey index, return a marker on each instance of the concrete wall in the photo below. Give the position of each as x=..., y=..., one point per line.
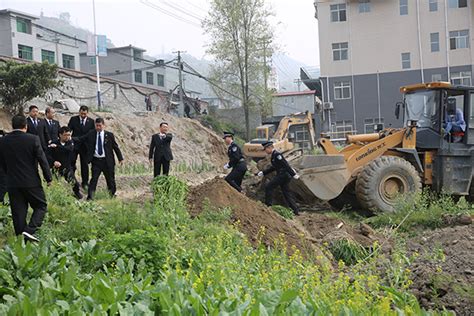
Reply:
x=377, y=38
x=5, y=35
x=116, y=96
x=284, y=105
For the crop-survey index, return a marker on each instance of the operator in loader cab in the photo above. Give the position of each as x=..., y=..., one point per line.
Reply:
x=454, y=121
x=283, y=176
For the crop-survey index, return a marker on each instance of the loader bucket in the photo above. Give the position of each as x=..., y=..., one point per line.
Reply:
x=325, y=176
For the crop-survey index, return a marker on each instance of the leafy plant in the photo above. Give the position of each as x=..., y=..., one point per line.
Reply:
x=21, y=82
x=283, y=211
x=349, y=251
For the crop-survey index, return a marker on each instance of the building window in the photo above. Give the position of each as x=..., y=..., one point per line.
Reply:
x=92, y=61
x=459, y=39
x=47, y=55
x=373, y=125
x=338, y=13
x=436, y=77
x=341, y=128
x=25, y=52
x=340, y=51
x=342, y=90
x=23, y=25
x=149, y=77
x=364, y=6
x=68, y=61
x=406, y=64
x=434, y=38
x=433, y=4
x=138, y=75
x=403, y=7
x=454, y=4
x=462, y=78
x=160, y=80
x=137, y=55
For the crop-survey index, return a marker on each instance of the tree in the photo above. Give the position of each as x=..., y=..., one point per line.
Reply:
x=21, y=82
x=241, y=42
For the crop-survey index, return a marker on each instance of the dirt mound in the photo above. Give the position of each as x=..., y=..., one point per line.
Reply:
x=443, y=274
x=326, y=229
x=251, y=215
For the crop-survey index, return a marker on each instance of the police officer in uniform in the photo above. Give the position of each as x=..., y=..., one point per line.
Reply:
x=236, y=162
x=283, y=176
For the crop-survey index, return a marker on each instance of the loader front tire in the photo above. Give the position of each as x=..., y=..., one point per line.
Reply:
x=383, y=180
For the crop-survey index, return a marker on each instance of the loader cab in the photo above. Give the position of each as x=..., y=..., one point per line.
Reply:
x=431, y=105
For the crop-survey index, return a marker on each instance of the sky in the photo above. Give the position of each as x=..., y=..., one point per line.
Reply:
x=164, y=26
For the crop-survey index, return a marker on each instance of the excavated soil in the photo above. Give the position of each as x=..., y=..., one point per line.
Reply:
x=443, y=274
x=306, y=232
x=250, y=215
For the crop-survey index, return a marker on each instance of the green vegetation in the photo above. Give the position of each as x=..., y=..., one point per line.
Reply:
x=283, y=211
x=109, y=257
x=220, y=127
x=424, y=210
x=21, y=82
x=350, y=252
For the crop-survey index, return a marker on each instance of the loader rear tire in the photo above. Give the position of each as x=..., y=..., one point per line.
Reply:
x=383, y=180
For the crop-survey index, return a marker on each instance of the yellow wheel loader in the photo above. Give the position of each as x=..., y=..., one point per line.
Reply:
x=294, y=131
x=434, y=148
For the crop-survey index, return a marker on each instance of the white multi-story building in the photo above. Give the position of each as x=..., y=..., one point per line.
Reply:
x=369, y=48
x=20, y=37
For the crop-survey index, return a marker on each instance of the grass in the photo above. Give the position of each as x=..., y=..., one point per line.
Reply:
x=350, y=252
x=426, y=210
x=110, y=257
x=283, y=211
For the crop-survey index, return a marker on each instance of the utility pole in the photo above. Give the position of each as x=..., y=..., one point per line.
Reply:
x=298, y=82
x=180, y=75
x=96, y=59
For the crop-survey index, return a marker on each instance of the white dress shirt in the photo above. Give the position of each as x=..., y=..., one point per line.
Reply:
x=96, y=153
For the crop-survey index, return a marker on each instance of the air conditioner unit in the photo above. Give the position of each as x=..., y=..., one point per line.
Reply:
x=328, y=106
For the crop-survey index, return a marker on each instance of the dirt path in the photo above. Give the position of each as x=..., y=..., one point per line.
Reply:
x=443, y=274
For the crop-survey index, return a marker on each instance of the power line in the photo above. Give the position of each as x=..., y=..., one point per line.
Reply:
x=169, y=13
x=179, y=8
x=196, y=7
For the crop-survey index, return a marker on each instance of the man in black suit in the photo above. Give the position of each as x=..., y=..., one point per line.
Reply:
x=52, y=124
x=80, y=125
x=101, y=146
x=160, y=151
x=62, y=153
x=20, y=154
x=37, y=126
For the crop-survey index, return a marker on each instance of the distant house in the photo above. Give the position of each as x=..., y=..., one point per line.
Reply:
x=129, y=65
x=292, y=102
x=21, y=37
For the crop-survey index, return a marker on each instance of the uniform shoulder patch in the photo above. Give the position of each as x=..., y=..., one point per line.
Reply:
x=234, y=149
x=279, y=157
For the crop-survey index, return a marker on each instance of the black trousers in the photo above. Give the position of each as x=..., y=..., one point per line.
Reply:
x=20, y=199
x=160, y=164
x=68, y=174
x=281, y=180
x=82, y=153
x=99, y=165
x=235, y=177
x=3, y=185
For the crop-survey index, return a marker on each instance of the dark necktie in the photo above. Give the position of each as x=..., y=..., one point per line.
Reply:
x=35, y=123
x=100, y=149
